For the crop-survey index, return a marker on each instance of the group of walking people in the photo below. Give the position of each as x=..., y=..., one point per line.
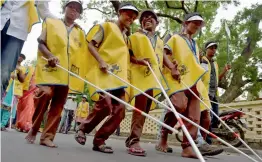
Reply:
x=106, y=51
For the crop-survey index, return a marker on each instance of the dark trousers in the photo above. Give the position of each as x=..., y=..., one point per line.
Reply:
x=214, y=119
x=106, y=106
x=138, y=120
x=192, y=112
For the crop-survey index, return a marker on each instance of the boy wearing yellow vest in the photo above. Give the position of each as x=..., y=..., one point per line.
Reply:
x=211, y=80
x=15, y=88
x=183, y=64
x=82, y=110
x=108, y=51
x=61, y=42
x=17, y=19
x=144, y=46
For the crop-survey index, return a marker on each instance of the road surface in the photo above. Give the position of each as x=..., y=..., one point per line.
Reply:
x=15, y=149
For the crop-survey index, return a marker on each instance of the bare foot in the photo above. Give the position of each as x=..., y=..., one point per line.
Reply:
x=31, y=136
x=48, y=143
x=189, y=153
x=162, y=146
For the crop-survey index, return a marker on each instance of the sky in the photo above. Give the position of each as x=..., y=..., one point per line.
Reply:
x=30, y=46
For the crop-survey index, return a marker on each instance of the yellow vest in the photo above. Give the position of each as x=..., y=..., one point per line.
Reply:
x=82, y=110
x=188, y=64
x=141, y=76
x=18, y=87
x=70, y=49
x=206, y=77
x=114, y=52
x=30, y=72
x=32, y=13
x=203, y=94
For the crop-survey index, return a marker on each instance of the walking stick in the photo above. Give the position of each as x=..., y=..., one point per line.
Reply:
x=233, y=108
x=119, y=100
x=185, y=118
x=199, y=155
x=236, y=135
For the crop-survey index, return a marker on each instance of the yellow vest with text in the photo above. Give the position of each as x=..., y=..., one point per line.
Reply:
x=30, y=72
x=32, y=13
x=206, y=77
x=113, y=50
x=188, y=65
x=141, y=76
x=70, y=48
x=18, y=87
x=82, y=110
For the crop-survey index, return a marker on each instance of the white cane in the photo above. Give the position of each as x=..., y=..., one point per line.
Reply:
x=193, y=123
x=119, y=100
x=199, y=155
x=236, y=135
x=233, y=108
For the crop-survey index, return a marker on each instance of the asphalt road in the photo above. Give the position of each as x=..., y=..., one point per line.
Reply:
x=15, y=149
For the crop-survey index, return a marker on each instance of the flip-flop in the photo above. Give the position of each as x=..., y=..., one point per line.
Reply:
x=78, y=136
x=168, y=149
x=43, y=144
x=136, y=151
x=103, y=149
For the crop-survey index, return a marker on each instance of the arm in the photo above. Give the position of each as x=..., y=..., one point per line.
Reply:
x=96, y=40
x=20, y=75
x=43, y=9
x=52, y=60
x=171, y=65
x=221, y=75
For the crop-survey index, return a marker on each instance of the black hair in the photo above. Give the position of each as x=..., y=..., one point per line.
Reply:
x=23, y=56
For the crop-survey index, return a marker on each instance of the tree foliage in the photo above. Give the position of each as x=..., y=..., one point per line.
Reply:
x=245, y=52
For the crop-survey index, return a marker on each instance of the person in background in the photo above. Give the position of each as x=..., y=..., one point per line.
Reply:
x=211, y=80
x=82, y=110
x=25, y=108
x=14, y=92
x=17, y=19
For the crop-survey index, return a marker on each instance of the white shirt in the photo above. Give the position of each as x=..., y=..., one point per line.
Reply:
x=70, y=105
x=17, y=12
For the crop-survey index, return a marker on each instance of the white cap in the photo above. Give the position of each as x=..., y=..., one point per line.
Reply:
x=129, y=7
x=196, y=17
x=77, y=1
x=84, y=96
x=211, y=44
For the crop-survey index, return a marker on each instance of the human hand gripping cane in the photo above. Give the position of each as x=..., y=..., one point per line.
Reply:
x=119, y=100
x=193, y=123
x=199, y=155
x=231, y=130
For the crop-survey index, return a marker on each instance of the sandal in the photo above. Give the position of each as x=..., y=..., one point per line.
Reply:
x=136, y=151
x=81, y=139
x=167, y=150
x=103, y=149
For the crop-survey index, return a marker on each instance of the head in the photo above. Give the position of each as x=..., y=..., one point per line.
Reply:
x=84, y=98
x=193, y=22
x=211, y=48
x=73, y=9
x=127, y=14
x=21, y=58
x=149, y=20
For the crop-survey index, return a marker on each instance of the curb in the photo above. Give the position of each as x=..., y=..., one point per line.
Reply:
x=177, y=144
